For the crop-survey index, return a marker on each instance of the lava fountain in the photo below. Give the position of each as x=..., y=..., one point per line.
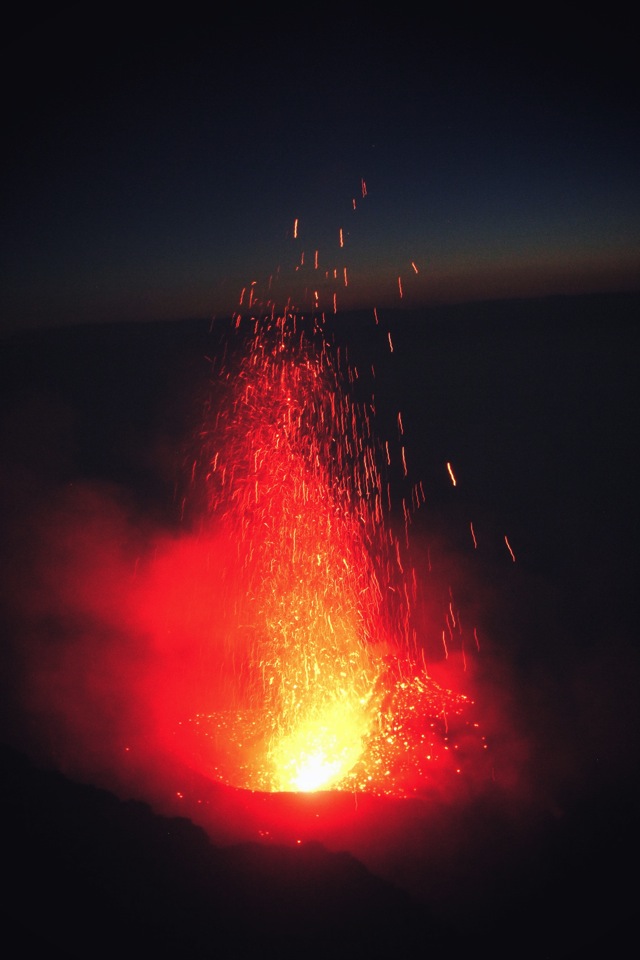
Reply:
x=321, y=683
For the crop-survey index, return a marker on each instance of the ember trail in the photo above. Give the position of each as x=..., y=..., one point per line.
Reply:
x=322, y=686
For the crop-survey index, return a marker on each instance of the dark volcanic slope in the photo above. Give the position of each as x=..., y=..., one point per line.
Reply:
x=89, y=875
x=94, y=876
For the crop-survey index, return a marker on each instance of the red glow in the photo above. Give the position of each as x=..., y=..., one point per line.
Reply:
x=309, y=672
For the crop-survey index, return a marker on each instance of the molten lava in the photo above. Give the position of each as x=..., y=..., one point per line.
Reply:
x=318, y=684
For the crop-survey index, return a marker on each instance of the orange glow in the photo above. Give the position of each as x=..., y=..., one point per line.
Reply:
x=313, y=679
x=320, y=753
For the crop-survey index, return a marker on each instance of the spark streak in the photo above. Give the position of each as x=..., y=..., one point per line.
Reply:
x=512, y=554
x=323, y=688
x=324, y=691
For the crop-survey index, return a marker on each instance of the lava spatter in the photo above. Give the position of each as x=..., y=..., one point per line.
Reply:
x=324, y=686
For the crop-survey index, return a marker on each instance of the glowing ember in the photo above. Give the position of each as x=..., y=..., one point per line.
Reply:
x=322, y=689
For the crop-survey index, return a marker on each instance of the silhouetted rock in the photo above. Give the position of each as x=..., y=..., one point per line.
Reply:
x=91, y=875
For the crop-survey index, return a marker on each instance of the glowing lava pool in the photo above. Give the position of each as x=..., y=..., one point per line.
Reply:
x=410, y=745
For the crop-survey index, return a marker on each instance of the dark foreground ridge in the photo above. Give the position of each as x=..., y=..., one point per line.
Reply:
x=90, y=875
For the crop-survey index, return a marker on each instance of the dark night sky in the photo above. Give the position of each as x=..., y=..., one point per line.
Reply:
x=153, y=167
